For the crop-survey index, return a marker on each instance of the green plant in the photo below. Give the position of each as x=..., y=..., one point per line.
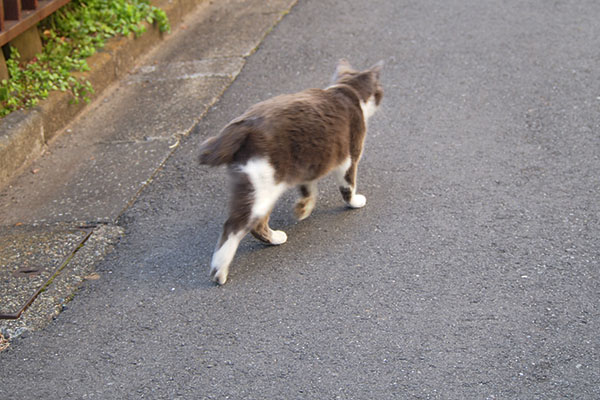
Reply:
x=69, y=36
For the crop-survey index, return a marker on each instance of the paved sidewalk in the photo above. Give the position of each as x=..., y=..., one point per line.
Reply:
x=94, y=171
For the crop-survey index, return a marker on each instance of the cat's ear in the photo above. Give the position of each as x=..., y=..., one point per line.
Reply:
x=343, y=67
x=376, y=69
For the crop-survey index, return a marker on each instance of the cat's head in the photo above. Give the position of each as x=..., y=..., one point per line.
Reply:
x=366, y=82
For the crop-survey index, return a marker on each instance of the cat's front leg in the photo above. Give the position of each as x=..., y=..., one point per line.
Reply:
x=306, y=202
x=346, y=176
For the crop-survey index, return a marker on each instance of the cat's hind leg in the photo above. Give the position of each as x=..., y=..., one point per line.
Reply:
x=266, y=192
x=235, y=228
x=346, y=176
x=223, y=255
x=306, y=202
x=254, y=194
x=264, y=233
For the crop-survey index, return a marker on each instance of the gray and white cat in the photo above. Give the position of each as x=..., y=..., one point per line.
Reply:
x=286, y=141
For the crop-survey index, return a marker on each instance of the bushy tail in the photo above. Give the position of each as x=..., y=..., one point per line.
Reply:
x=221, y=149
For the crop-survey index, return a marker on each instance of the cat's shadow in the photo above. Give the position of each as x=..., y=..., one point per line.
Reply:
x=327, y=219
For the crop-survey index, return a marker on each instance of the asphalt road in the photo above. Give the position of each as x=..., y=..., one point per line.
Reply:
x=472, y=273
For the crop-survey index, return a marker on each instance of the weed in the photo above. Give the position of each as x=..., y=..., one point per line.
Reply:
x=69, y=36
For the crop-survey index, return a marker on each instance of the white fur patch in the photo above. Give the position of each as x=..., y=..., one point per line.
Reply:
x=219, y=266
x=340, y=172
x=368, y=108
x=266, y=192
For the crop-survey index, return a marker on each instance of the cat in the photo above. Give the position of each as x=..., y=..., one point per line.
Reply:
x=291, y=140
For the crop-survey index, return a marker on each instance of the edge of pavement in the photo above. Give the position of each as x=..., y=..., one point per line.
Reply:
x=26, y=134
x=80, y=265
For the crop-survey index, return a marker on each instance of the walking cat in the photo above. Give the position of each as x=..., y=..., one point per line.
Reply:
x=286, y=141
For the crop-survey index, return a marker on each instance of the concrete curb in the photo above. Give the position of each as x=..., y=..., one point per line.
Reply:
x=24, y=134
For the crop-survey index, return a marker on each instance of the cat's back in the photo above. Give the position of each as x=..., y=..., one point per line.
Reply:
x=295, y=105
x=312, y=111
x=303, y=135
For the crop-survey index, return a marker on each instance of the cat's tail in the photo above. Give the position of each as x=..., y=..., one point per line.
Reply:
x=221, y=149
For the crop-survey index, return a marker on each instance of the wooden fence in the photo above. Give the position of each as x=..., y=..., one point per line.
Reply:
x=16, y=16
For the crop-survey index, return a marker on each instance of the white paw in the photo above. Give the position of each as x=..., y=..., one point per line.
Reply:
x=358, y=201
x=219, y=275
x=278, y=237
